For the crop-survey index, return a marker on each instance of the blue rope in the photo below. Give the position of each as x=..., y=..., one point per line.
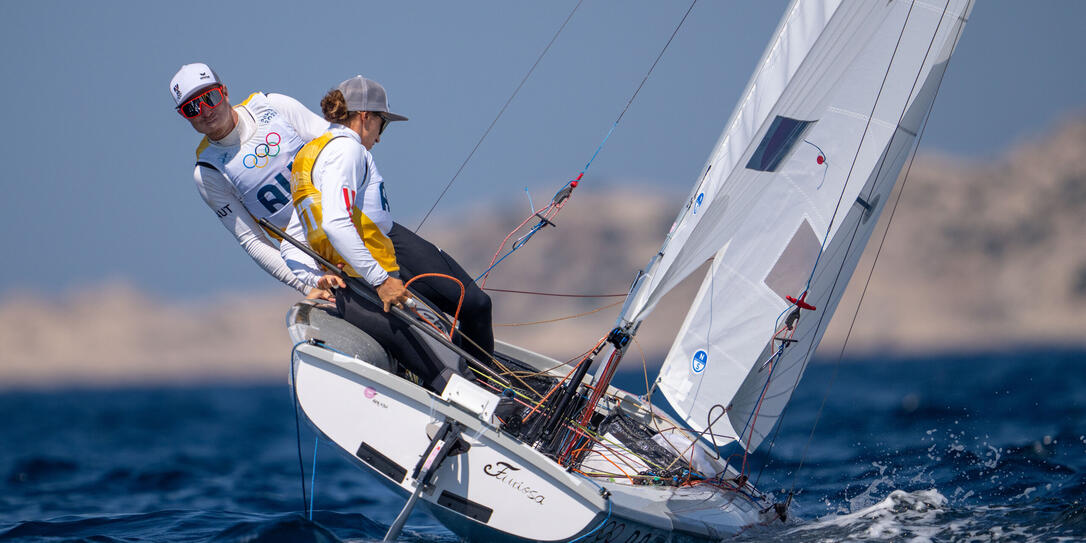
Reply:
x=312, y=495
x=643, y=80
x=613, y=126
x=531, y=206
x=520, y=243
x=602, y=522
x=298, y=427
x=313, y=481
x=307, y=502
x=516, y=245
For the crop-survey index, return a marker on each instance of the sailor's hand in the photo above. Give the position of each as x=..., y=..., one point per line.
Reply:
x=330, y=281
x=323, y=290
x=392, y=293
x=320, y=294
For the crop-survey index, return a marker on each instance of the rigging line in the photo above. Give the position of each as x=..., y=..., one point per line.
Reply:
x=893, y=211
x=844, y=187
x=647, y=401
x=491, y=289
x=852, y=167
x=852, y=163
x=849, y=175
x=597, y=310
x=863, y=137
x=297, y=424
x=499, y=115
x=517, y=245
x=562, y=196
x=632, y=98
x=313, y=477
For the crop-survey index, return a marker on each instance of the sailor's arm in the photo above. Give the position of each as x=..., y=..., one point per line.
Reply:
x=304, y=267
x=222, y=199
x=341, y=180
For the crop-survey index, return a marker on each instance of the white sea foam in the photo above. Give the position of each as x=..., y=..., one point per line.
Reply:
x=905, y=516
x=919, y=517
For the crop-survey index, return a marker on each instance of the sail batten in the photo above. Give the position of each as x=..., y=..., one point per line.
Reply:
x=788, y=199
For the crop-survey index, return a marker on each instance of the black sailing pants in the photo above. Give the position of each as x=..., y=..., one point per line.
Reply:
x=416, y=256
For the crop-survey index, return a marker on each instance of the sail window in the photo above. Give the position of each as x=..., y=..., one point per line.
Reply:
x=789, y=275
x=778, y=142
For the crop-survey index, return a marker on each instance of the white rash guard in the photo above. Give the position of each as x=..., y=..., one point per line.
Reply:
x=353, y=209
x=246, y=176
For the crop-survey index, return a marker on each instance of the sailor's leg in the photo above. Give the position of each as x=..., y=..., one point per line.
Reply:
x=407, y=348
x=417, y=256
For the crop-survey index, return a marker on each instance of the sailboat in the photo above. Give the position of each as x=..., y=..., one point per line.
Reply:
x=534, y=449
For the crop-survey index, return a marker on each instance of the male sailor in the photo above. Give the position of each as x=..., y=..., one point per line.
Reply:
x=243, y=165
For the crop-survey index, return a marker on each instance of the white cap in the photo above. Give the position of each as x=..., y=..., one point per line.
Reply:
x=191, y=78
x=364, y=94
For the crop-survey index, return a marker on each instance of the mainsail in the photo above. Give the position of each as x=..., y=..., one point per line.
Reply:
x=788, y=199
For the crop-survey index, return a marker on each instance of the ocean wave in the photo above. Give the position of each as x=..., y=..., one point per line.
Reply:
x=928, y=516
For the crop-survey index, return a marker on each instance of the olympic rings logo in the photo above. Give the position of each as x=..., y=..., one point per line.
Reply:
x=263, y=151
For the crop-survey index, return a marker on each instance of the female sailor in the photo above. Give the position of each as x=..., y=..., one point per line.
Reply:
x=343, y=212
x=243, y=165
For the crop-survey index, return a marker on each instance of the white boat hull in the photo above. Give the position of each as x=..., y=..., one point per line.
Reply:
x=499, y=489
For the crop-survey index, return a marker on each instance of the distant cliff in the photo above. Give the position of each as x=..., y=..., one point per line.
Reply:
x=979, y=255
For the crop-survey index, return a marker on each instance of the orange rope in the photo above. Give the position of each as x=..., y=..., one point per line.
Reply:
x=559, y=384
x=758, y=407
x=551, y=391
x=459, y=303
x=507, y=236
x=619, y=468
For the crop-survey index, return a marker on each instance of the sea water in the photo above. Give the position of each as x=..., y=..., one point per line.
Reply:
x=941, y=448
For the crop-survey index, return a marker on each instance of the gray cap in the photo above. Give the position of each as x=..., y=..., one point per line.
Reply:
x=366, y=95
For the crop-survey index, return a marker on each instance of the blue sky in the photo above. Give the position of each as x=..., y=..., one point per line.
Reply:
x=98, y=175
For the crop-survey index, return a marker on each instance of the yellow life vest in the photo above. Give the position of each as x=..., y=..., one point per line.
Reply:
x=307, y=201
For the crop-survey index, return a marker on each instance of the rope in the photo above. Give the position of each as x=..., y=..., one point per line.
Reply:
x=622, y=295
x=313, y=478
x=597, y=310
x=630, y=101
x=829, y=227
x=557, y=385
x=882, y=241
x=452, y=328
x=596, y=529
x=459, y=303
x=560, y=198
x=298, y=425
x=544, y=214
x=498, y=116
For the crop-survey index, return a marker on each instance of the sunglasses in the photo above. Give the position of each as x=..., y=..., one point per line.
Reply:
x=192, y=108
x=384, y=122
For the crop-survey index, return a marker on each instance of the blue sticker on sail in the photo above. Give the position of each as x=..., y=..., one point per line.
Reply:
x=697, y=202
x=698, y=363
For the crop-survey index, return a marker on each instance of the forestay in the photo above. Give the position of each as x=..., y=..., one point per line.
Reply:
x=789, y=198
